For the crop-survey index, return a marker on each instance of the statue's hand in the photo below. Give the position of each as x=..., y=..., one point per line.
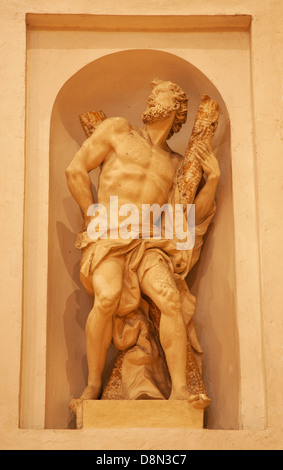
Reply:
x=207, y=159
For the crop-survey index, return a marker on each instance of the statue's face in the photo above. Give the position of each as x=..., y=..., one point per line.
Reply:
x=162, y=96
x=160, y=104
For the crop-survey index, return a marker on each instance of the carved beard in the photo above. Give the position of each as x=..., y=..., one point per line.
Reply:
x=156, y=112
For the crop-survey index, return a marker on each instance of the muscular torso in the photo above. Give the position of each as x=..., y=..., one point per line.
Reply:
x=136, y=171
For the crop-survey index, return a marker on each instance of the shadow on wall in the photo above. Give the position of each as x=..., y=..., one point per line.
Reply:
x=119, y=84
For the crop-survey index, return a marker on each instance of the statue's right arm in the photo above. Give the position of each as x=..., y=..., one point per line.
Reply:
x=91, y=154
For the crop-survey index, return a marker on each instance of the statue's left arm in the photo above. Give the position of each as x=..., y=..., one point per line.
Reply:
x=204, y=201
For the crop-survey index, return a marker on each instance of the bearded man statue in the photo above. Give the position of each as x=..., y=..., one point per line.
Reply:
x=129, y=275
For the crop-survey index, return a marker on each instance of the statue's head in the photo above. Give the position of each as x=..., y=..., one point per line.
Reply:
x=165, y=98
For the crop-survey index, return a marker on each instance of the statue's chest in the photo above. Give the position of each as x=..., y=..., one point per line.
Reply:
x=138, y=151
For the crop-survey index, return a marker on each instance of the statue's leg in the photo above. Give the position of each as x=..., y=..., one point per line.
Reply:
x=107, y=285
x=158, y=284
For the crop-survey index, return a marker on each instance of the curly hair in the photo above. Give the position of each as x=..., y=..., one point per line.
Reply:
x=181, y=104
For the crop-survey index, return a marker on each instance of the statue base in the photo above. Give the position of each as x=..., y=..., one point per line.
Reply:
x=138, y=414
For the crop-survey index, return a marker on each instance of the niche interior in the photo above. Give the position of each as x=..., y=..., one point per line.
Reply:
x=119, y=84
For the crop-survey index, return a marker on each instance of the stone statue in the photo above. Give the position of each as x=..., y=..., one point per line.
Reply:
x=141, y=300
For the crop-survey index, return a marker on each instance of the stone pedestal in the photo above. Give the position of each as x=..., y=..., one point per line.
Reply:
x=138, y=414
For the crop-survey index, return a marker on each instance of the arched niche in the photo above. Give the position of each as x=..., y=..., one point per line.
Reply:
x=119, y=84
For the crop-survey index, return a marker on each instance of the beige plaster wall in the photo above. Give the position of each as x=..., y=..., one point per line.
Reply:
x=52, y=56
x=266, y=73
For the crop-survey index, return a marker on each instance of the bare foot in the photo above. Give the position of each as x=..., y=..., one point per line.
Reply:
x=91, y=392
x=180, y=394
x=199, y=402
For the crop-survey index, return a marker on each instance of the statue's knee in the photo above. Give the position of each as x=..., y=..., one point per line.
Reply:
x=173, y=302
x=108, y=301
